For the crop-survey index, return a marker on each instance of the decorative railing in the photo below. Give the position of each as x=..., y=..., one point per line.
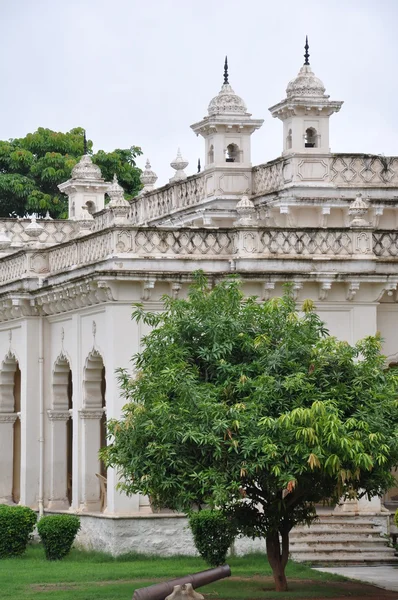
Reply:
x=214, y=244
x=54, y=231
x=13, y=267
x=268, y=177
x=166, y=200
x=358, y=170
x=345, y=170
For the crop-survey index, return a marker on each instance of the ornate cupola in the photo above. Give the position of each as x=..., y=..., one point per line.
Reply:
x=85, y=189
x=227, y=129
x=305, y=112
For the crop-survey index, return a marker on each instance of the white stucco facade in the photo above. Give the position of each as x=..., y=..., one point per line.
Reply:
x=326, y=222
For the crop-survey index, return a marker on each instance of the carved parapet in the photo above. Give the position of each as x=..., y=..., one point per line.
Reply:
x=362, y=242
x=359, y=170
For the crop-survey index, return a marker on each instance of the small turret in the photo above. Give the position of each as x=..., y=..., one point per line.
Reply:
x=85, y=189
x=227, y=129
x=305, y=112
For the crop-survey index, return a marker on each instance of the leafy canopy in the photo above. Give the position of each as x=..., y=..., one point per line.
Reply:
x=254, y=408
x=32, y=167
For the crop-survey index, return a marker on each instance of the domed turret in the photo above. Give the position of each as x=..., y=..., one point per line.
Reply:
x=85, y=189
x=305, y=112
x=306, y=85
x=226, y=101
x=227, y=128
x=86, y=169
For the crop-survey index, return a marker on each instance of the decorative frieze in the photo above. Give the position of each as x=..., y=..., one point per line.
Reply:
x=58, y=415
x=8, y=417
x=91, y=413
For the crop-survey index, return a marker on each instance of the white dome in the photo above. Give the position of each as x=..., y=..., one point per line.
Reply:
x=306, y=85
x=86, y=169
x=227, y=102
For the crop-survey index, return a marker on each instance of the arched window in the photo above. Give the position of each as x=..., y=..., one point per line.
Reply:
x=69, y=441
x=390, y=499
x=211, y=154
x=94, y=479
x=233, y=153
x=289, y=140
x=61, y=436
x=10, y=430
x=16, y=475
x=91, y=207
x=311, y=138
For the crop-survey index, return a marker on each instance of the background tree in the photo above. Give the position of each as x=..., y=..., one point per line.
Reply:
x=32, y=167
x=253, y=408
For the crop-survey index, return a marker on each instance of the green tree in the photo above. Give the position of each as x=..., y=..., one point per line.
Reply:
x=253, y=408
x=32, y=167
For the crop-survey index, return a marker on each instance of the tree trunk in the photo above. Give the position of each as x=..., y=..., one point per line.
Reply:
x=278, y=560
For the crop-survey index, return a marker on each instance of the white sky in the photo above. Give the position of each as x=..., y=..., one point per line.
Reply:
x=140, y=73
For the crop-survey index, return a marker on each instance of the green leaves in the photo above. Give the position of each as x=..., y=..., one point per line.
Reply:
x=16, y=525
x=251, y=407
x=31, y=168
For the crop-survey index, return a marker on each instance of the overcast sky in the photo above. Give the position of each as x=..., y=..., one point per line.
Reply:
x=141, y=72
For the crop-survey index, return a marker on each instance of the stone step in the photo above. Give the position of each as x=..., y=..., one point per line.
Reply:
x=316, y=529
x=369, y=558
x=338, y=539
x=326, y=548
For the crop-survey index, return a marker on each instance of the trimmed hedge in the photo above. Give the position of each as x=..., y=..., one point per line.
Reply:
x=396, y=517
x=213, y=534
x=57, y=533
x=16, y=525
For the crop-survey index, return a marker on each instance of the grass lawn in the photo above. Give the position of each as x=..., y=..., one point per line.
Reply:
x=94, y=576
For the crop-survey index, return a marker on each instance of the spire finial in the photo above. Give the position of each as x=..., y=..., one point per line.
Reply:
x=307, y=54
x=226, y=71
x=85, y=143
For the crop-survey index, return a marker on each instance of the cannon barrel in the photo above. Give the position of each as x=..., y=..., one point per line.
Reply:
x=159, y=591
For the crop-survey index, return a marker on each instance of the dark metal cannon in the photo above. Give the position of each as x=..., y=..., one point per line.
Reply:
x=159, y=591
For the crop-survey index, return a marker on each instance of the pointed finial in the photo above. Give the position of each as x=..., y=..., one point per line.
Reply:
x=226, y=70
x=199, y=165
x=307, y=54
x=85, y=143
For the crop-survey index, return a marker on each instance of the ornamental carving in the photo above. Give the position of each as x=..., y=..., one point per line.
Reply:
x=91, y=413
x=39, y=263
x=58, y=415
x=8, y=417
x=364, y=170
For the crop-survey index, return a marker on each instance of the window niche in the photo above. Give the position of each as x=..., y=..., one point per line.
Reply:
x=211, y=154
x=289, y=140
x=232, y=154
x=311, y=138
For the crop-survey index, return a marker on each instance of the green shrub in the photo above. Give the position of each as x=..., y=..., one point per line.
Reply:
x=57, y=533
x=396, y=517
x=16, y=525
x=213, y=534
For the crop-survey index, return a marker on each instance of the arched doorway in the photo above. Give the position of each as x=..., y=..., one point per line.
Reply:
x=16, y=460
x=93, y=415
x=61, y=436
x=10, y=430
x=390, y=499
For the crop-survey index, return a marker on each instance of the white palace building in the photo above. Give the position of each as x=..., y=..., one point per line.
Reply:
x=326, y=222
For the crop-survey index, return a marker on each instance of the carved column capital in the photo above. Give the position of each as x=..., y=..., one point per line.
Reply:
x=91, y=413
x=58, y=415
x=8, y=417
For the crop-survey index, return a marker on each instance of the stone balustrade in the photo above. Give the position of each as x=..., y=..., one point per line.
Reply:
x=168, y=199
x=336, y=170
x=198, y=243
x=54, y=231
